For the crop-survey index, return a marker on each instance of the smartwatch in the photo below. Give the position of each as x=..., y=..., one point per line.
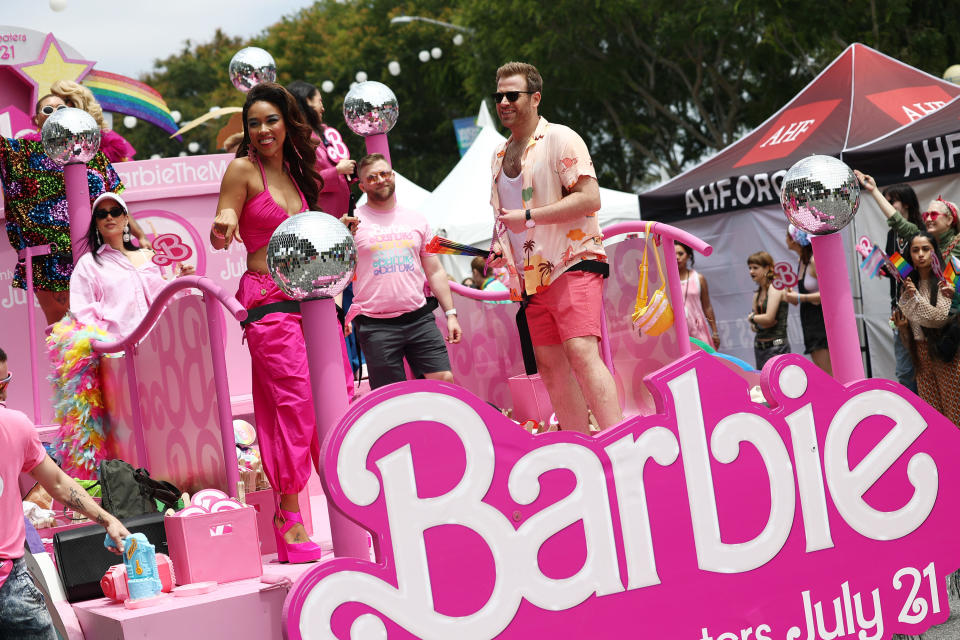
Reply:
x=531, y=223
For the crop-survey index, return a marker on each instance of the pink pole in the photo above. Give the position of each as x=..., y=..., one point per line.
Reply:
x=377, y=143
x=78, y=204
x=321, y=331
x=28, y=254
x=224, y=413
x=143, y=458
x=676, y=296
x=842, y=338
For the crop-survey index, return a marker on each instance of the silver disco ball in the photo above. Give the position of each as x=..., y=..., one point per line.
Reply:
x=251, y=66
x=71, y=136
x=370, y=108
x=311, y=255
x=820, y=195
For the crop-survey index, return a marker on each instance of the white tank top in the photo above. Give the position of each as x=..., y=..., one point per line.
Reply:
x=509, y=190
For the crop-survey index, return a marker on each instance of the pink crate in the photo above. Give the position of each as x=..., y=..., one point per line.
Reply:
x=222, y=546
x=530, y=399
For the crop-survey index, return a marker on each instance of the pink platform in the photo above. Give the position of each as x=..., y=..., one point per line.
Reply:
x=237, y=610
x=250, y=608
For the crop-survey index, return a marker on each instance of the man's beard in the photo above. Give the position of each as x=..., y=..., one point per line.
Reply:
x=374, y=196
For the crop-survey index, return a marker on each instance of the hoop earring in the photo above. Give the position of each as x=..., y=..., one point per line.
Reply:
x=99, y=239
x=126, y=233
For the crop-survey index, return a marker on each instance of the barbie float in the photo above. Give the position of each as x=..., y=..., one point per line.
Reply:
x=826, y=513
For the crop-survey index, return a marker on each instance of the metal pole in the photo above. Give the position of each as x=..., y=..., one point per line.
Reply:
x=224, y=414
x=78, y=205
x=28, y=254
x=377, y=143
x=835, y=297
x=321, y=332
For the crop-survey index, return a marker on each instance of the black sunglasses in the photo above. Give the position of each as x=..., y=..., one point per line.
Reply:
x=102, y=214
x=48, y=109
x=511, y=96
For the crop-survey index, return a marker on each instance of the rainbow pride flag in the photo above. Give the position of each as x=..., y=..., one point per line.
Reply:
x=130, y=97
x=900, y=263
x=950, y=274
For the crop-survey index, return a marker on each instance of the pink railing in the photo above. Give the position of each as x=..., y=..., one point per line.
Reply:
x=27, y=255
x=212, y=295
x=673, y=278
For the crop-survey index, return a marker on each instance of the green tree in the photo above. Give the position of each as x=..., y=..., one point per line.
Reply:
x=333, y=41
x=653, y=85
x=191, y=82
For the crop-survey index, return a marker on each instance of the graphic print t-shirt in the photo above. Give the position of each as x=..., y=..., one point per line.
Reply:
x=389, y=277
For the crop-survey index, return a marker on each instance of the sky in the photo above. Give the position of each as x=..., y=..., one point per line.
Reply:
x=126, y=36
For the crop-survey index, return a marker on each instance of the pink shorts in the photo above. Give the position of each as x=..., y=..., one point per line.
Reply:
x=569, y=308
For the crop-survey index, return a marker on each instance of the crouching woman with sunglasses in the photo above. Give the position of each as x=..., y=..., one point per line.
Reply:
x=114, y=282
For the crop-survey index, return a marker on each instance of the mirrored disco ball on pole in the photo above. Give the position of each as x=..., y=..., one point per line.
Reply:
x=370, y=108
x=71, y=136
x=251, y=66
x=311, y=255
x=820, y=195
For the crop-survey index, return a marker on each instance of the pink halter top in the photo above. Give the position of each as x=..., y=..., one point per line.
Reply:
x=261, y=215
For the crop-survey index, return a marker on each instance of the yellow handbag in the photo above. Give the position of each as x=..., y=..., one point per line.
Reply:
x=653, y=316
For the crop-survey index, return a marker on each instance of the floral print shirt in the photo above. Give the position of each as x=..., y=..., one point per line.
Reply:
x=554, y=159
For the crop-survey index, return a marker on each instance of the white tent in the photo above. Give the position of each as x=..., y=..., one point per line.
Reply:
x=460, y=205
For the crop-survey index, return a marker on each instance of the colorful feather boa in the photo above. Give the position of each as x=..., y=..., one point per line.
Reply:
x=77, y=397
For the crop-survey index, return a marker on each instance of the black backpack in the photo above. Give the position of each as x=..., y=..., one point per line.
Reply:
x=128, y=492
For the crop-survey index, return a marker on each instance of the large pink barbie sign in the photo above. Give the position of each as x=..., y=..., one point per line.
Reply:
x=830, y=514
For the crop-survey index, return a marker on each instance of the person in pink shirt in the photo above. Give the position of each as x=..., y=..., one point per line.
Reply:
x=23, y=612
x=545, y=199
x=333, y=157
x=114, y=282
x=390, y=313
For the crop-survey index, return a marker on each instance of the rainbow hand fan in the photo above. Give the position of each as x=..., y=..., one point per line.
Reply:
x=449, y=247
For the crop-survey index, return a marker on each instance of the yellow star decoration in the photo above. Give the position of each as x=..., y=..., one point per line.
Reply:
x=52, y=65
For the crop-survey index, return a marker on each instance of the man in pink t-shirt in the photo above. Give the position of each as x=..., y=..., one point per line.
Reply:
x=23, y=613
x=390, y=312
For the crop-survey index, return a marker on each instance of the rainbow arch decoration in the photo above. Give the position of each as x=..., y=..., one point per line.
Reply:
x=130, y=97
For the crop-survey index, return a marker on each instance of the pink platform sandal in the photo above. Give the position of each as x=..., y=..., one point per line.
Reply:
x=295, y=552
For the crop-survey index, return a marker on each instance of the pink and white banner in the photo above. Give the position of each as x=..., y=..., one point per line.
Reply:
x=830, y=514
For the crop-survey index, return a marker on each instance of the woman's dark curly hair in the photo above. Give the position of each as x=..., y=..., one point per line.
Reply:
x=299, y=147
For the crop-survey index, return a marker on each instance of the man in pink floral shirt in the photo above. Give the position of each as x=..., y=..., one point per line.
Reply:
x=545, y=198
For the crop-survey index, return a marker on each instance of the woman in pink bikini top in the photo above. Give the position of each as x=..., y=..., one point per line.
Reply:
x=267, y=181
x=265, y=184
